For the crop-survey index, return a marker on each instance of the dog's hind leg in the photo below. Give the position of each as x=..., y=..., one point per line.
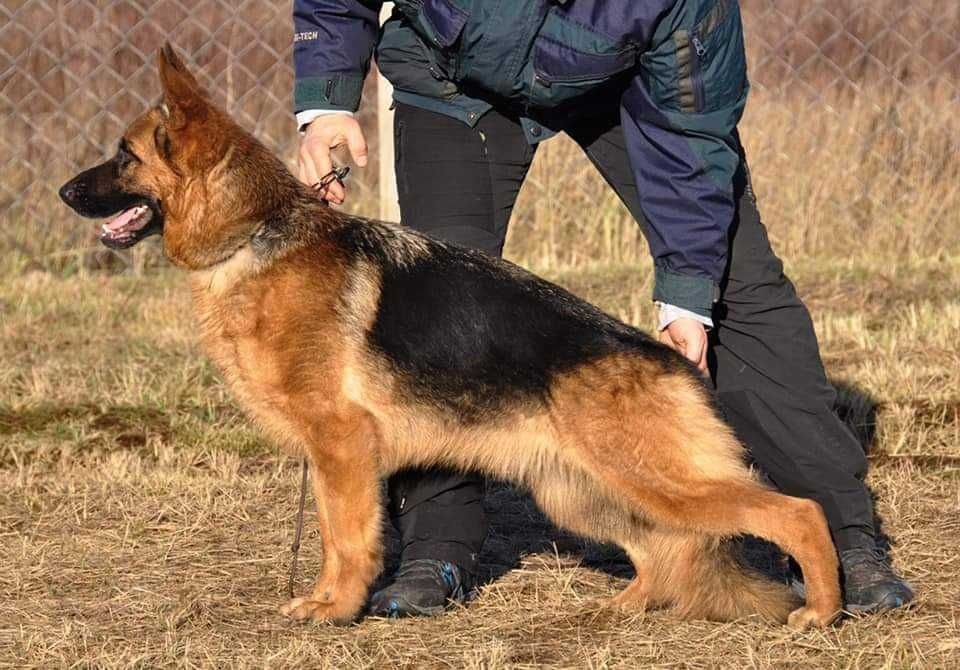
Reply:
x=654, y=441
x=573, y=500
x=715, y=583
x=642, y=592
x=690, y=527
x=693, y=572
x=346, y=486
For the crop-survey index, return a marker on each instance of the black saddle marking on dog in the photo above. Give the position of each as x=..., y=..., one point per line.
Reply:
x=472, y=334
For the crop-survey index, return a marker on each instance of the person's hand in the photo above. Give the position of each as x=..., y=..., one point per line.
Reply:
x=689, y=338
x=324, y=134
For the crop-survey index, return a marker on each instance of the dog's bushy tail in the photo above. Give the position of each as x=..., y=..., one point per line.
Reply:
x=704, y=578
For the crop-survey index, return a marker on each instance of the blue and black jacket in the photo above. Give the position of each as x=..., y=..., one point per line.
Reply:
x=677, y=68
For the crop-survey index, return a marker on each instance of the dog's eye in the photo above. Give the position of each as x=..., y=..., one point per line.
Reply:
x=125, y=155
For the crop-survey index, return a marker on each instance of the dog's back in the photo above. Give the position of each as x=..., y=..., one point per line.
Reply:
x=473, y=334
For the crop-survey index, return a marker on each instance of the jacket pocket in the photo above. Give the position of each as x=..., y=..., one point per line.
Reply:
x=562, y=73
x=711, y=65
x=441, y=22
x=410, y=64
x=555, y=63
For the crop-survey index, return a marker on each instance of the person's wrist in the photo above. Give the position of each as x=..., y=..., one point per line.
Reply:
x=306, y=117
x=669, y=313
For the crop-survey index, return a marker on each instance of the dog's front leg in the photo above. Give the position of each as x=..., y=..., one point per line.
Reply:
x=346, y=486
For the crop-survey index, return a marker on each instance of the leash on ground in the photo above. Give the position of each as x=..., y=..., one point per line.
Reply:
x=337, y=174
x=295, y=547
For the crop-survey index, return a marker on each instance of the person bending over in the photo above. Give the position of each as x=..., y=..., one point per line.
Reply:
x=652, y=91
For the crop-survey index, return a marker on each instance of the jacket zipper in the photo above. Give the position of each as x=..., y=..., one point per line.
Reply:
x=696, y=73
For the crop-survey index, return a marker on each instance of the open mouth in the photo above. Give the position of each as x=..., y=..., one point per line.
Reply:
x=130, y=226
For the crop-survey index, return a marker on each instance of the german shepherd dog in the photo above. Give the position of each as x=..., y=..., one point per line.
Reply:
x=370, y=348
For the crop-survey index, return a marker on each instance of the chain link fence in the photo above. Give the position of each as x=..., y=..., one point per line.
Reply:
x=853, y=123
x=880, y=77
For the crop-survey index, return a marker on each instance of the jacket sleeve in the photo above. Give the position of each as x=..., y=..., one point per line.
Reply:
x=332, y=45
x=679, y=116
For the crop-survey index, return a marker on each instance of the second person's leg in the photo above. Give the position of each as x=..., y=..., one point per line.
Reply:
x=764, y=354
x=457, y=184
x=765, y=363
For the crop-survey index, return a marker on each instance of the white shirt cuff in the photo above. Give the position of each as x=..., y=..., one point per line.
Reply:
x=670, y=313
x=306, y=116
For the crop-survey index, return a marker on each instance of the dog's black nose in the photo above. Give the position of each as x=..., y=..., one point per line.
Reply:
x=69, y=192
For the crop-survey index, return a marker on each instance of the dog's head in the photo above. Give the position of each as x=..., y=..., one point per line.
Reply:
x=185, y=170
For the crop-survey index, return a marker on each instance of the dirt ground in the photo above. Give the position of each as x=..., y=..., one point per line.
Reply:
x=144, y=523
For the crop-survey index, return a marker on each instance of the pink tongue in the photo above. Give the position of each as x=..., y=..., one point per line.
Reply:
x=122, y=220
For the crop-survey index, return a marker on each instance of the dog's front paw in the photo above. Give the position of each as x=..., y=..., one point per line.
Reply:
x=807, y=617
x=633, y=599
x=308, y=609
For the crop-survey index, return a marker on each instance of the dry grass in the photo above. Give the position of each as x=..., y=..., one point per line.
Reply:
x=142, y=522
x=866, y=176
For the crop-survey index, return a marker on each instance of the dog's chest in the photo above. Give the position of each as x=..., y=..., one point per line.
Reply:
x=273, y=343
x=234, y=339
x=240, y=340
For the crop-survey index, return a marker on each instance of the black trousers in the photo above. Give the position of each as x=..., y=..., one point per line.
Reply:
x=459, y=184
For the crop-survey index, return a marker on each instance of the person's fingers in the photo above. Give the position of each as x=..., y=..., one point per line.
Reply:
x=319, y=158
x=692, y=344
x=693, y=349
x=335, y=193
x=679, y=344
x=301, y=172
x=308, y=161
x=701, y=358
x=357, y=144
x=674, y=341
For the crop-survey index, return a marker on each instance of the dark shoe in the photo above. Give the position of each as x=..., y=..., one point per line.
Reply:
x=421, y=587
x=870, y=584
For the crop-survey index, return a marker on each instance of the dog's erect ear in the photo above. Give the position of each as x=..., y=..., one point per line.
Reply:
x=183, y=97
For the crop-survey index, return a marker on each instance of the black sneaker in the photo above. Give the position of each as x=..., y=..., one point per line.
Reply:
x=421, y=587
x=870, y=584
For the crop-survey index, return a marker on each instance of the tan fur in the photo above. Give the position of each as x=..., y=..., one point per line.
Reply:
x=223, y=276
x=624, y=451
